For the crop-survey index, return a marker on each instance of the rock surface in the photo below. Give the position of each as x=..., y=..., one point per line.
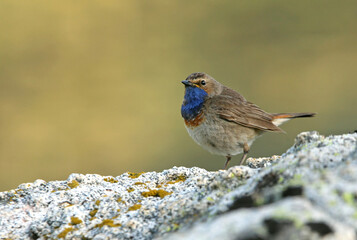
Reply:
x=310, y=192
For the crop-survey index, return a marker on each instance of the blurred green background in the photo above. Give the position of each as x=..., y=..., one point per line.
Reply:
x=94, y=86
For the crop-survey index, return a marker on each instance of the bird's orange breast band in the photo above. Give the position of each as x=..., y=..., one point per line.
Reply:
x=196, y=121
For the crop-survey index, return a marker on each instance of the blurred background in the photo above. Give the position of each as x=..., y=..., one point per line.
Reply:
x=95, y=86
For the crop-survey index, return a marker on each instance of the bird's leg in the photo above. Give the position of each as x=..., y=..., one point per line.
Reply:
x=228, y=159
x=245, y=151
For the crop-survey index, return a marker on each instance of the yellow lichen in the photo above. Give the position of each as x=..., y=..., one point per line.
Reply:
x=108, y=222
x=134, y=207
x=93, y=212
x=175, y=226
x=73, y=184
x=110, y=179
x=130, y=189
x=75, y=221
x=119, y=200
x=63, y=234
x=97, y=202
x=139, y=183
x=156, y=193
x=135, y=175
x=180, y=178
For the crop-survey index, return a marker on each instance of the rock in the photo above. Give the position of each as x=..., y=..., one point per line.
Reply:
x=309, y=192
x=261, y=162
x=294, y=218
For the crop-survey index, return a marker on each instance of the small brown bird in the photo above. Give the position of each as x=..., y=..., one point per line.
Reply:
x=222, y=121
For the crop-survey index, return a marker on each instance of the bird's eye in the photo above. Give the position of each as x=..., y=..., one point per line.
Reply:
x=203, y=82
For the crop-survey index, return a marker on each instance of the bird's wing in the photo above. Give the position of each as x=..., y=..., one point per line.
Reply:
x=233, y=107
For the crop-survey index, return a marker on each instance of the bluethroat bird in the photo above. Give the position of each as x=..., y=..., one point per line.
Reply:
x=222, y=121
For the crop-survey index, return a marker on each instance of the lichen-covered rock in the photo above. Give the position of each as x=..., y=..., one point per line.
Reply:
x=309, y=192
x=293, y=218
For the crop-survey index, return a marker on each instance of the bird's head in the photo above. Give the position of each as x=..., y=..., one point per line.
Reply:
x=203, y=81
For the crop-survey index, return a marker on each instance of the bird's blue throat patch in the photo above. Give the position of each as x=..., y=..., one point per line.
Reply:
x=193, y=102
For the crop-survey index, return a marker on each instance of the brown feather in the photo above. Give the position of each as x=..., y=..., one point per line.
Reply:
x=292, y=115
x=233, y=107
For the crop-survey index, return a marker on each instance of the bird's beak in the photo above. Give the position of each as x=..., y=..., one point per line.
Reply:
x=187, y=83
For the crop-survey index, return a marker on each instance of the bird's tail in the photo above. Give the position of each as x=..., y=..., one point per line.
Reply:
x=280, y=118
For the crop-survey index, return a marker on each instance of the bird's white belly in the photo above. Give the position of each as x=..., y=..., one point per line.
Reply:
x=215, y=139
